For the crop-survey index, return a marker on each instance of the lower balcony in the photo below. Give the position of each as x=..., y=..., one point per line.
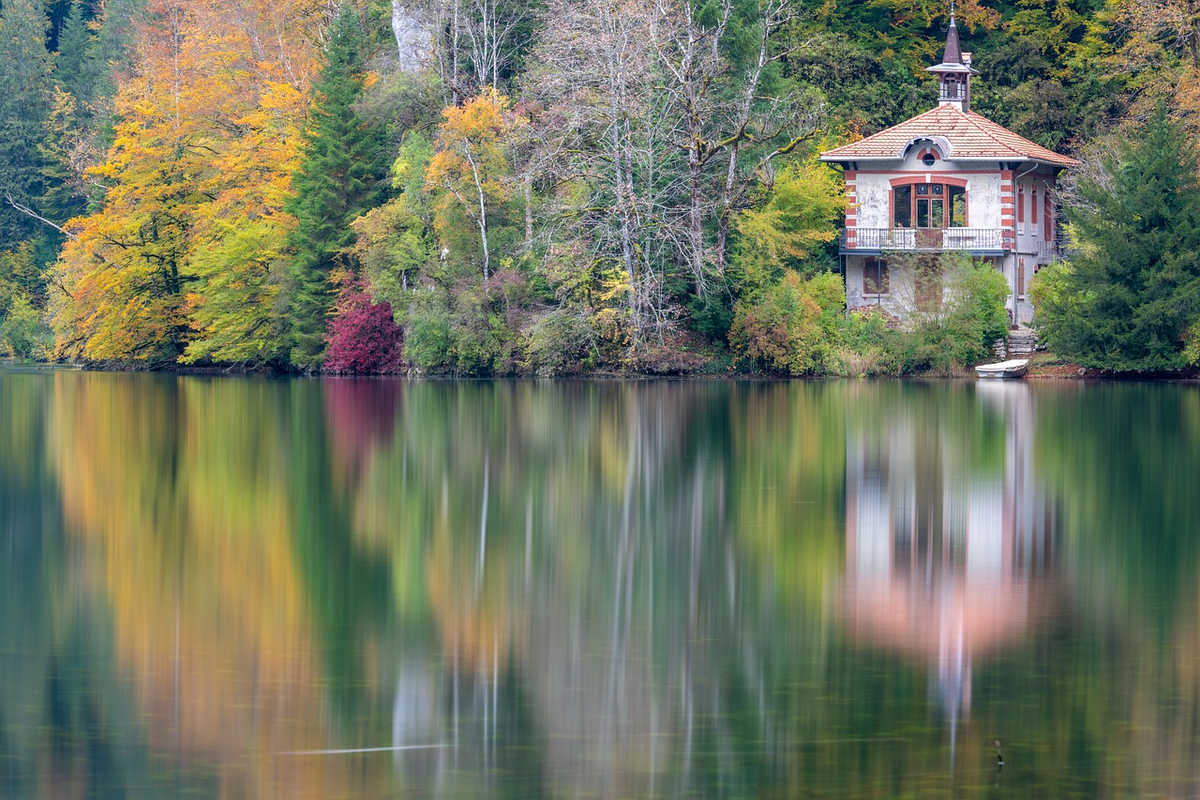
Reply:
x=977, y=241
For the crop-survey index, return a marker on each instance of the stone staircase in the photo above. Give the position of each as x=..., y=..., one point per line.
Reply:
x=1020, y=343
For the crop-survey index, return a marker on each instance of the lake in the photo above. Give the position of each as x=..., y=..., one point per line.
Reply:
x=261, y=588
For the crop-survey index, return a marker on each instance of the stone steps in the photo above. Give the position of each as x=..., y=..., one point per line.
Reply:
x=1019, y=344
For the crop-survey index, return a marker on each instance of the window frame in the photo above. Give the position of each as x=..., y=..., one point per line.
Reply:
x=910, y=186
x=881, y=285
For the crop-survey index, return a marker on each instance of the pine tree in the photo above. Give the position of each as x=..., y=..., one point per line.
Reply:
x=1126, y=301
x=77, y=68
x=25, y=88
x=339, y=179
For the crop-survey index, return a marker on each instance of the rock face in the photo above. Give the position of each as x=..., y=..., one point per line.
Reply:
x=413, y=42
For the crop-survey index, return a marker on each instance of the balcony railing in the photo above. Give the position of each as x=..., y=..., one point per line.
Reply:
x=933, y=240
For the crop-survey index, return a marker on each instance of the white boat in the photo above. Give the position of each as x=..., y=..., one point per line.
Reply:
x=1015, y=368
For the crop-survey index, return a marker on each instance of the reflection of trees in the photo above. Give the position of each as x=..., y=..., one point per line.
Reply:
x=601, y=545
x=593, y=589
x=182, y=489
x=1122, y=459
x=58, y=695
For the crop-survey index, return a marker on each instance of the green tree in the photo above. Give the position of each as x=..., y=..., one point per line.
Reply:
x=960, y=332
x=21, y=330
x=1126, y=301
x=338, y=179
x=25, y=88
x=77, y=67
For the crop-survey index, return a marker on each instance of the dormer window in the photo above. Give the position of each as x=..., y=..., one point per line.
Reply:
x=928, y=156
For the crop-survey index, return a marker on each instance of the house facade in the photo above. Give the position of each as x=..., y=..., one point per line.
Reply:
x=947, y=180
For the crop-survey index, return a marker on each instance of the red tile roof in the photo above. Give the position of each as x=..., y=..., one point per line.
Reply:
x=967, y=134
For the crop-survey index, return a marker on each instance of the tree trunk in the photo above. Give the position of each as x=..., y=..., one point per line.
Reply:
x=695, y=215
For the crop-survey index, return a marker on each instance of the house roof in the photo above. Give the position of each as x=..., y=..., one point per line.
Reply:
x=963, y=135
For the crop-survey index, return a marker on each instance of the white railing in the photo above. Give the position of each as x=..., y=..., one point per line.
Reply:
x=927, y=239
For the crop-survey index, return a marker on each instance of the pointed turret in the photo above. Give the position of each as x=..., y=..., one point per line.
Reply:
x=954, y=73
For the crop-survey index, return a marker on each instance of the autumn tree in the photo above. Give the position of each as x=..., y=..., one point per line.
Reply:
x=182, y=257
x=794, y=223
x=721, y=116
x=395, y=243
x=339, y=178
x=469, y=168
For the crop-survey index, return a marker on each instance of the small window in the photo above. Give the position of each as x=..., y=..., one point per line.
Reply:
x=958, y=206
x=1021, y=205
x=1047, y=217
x=929, y=159
x=875, y=276
x=1021, y=279
x=902, y=207
x=1033, y=208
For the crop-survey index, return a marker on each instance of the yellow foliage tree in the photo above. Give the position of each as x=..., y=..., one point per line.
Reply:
x=179, y=259
x=470, y=167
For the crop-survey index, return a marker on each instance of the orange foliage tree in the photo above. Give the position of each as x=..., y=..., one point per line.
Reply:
x=181, y=257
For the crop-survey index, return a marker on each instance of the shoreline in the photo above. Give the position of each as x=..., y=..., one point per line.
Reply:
x=1037, y=372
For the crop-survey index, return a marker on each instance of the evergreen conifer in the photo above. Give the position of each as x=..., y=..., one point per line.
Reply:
x=25, y=90
x=1125, y=302
x=339, y=179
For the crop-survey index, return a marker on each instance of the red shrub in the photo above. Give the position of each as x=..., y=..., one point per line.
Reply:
x=362, y=338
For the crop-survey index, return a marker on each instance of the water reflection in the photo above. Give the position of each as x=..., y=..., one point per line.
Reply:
x=270, y=588
x=950, y=538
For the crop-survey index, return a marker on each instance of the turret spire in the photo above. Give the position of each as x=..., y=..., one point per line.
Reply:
x=954, y=73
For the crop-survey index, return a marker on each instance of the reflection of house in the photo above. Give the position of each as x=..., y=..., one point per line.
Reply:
x=947, y=537
x=945, y=180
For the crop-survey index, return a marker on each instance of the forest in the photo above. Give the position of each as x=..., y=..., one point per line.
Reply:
x=555, y=187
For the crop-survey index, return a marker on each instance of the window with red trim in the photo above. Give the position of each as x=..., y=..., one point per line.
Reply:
x=929, y=205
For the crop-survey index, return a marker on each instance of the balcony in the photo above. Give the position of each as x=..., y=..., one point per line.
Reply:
x=977, y=241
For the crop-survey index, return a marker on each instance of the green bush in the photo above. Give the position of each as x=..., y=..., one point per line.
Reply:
x=562, y=342
x=792, y=327
x=22, y=333
x=868, y=346
x=798, y=327
x=962, y=331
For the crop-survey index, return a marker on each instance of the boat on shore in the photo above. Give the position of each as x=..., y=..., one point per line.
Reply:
x=1004, y=370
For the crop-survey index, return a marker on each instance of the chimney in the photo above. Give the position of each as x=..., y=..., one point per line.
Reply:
x=966, y=59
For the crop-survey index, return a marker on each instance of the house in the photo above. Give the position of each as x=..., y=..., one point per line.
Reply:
x=945, y=180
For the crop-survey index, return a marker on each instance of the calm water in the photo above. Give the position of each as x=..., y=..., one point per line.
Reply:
x=227, y=587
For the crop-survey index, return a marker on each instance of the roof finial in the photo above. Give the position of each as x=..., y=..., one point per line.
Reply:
x=953, y=55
